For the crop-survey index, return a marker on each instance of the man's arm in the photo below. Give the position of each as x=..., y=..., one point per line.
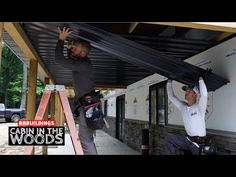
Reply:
x=59, y=56
x=203, y=95
x=176, y=101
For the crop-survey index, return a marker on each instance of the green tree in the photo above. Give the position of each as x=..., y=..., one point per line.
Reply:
x=11, y=79
x=11, y=71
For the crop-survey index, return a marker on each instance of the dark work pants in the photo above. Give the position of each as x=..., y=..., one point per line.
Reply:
x=174, y=142
x=86, y=136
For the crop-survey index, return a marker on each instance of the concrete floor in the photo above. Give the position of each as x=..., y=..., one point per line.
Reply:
x=106, y=145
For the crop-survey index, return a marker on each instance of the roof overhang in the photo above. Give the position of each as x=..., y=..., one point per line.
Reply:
x=21, y=40
x=216, y=26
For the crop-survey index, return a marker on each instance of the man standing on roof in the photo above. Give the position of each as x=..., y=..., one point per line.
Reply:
x=83, y=80
x=193, y=114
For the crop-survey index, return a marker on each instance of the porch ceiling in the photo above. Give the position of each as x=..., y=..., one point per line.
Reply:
x=113, y=69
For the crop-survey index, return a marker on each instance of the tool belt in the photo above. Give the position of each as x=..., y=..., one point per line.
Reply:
x=92, y=109
x=87, y=99
x=198, y=139
x=206, y=147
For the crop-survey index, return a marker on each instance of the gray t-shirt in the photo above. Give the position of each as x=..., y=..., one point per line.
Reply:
x=82, y=71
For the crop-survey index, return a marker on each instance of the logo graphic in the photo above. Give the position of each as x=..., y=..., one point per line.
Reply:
x=36, y=133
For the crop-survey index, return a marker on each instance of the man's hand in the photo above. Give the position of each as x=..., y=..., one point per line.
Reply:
x=69, y=45
x=64, y=33
x=206, y=73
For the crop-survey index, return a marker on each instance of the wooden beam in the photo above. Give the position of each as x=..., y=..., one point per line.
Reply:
x=57, y=109
x=62, y=115
x=1, y=44
x=132, y=26
x=51, y=82
x=223, y=36
x=52, y=106
x=20, y=38
x=110, y=86
x=45, y=117
x=70, y=92
x=102, y=86
x=31, y=99
x=216, y=26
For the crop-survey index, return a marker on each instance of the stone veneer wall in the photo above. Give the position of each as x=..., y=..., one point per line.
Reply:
x=133, y=133
x=112, y=126
x=224, y=141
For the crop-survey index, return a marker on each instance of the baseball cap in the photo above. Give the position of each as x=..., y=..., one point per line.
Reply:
x=192, y=87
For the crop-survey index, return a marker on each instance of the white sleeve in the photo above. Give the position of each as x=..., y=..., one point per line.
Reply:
x=176, y=101
x=203, y=96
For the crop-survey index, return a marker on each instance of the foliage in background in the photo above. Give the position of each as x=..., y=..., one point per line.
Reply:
x=40, y=87
x=11, y=77
x=11, y=68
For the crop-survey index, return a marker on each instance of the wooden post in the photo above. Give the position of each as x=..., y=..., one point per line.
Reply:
x=59, y=114
x=1, y=45
x=62, y=117
x=57, y=109
x=45, y=117
x=52, y=106
x=31, y=97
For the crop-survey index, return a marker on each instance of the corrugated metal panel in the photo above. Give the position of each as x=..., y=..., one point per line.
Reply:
x=119, y=61
x=141, y=55
x=12, y=45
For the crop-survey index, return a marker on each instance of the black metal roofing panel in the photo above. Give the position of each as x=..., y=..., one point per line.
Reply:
x=147, y=57
x=108, y=69
x=120, y=61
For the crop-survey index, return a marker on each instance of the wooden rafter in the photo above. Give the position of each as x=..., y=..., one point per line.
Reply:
x=132, y=26
x=216, y=26
x=223, y=36
x=102, y=86
x=110, y=86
